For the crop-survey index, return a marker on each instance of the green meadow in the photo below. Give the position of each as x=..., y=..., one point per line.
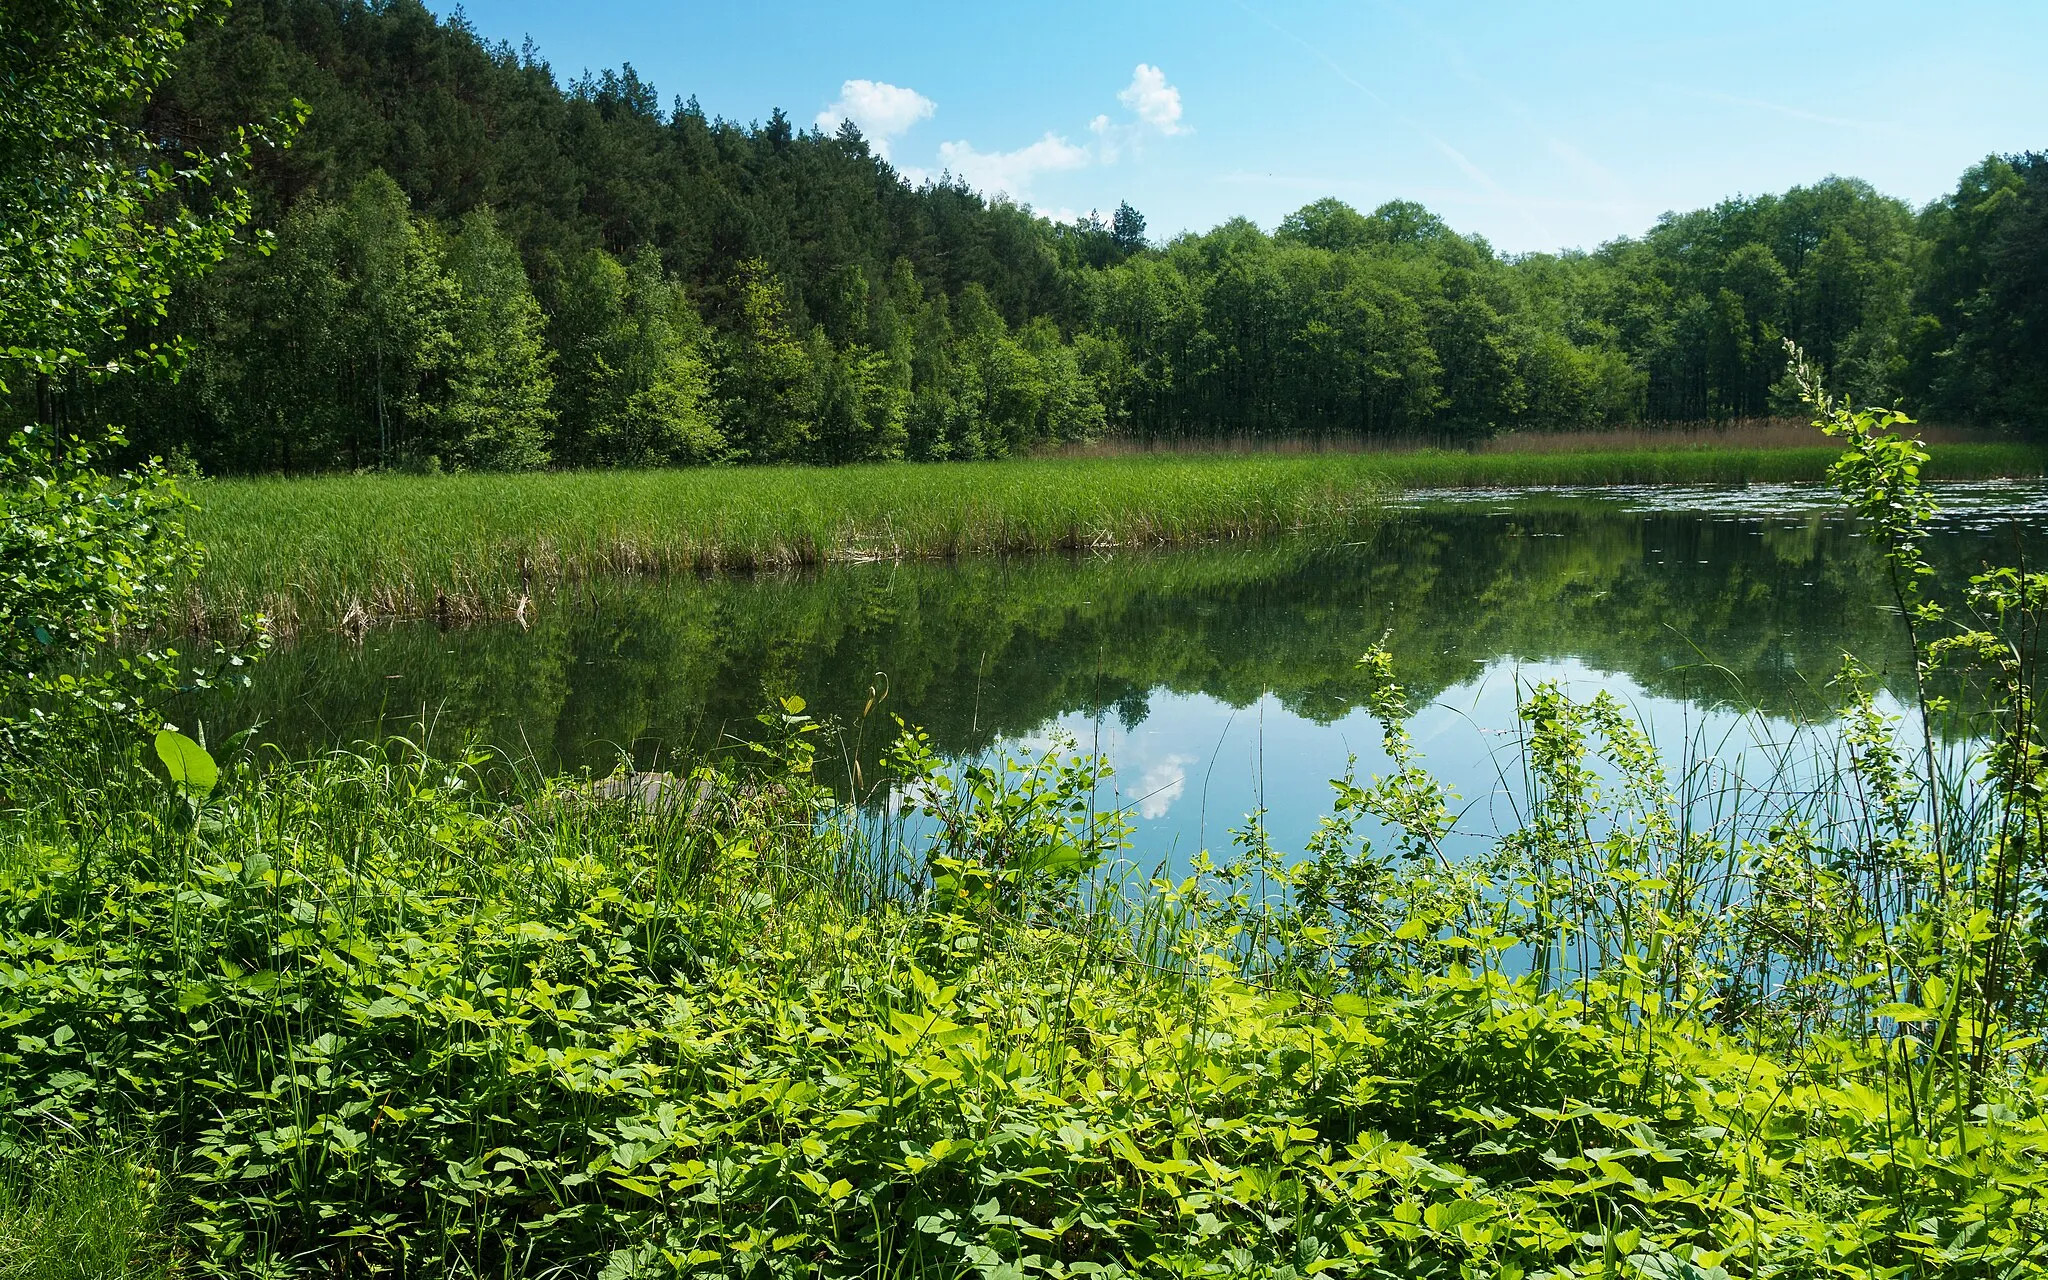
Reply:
x=314, y=552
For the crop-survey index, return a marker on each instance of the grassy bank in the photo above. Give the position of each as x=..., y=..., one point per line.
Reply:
x=315, y=552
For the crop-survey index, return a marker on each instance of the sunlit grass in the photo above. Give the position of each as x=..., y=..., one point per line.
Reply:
x=84, y=1212
x=316, y=551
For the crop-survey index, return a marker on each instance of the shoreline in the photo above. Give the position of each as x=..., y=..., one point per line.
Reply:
x=353, y=551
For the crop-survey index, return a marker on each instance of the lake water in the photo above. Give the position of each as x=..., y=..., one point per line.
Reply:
x=1218, y=679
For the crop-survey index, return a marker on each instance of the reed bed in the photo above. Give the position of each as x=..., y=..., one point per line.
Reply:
x=349, y=550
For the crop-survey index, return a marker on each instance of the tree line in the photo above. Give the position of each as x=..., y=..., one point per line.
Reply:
x=467, y=263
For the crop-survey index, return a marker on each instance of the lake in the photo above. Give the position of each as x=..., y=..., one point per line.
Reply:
x=1218, y=680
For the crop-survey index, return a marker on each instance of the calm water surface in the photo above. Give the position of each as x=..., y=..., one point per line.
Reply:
x=1218, y=680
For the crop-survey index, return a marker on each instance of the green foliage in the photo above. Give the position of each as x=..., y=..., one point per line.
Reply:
x=85, y=560
x=634, y=385
x=493, y=413
x=378, y=337
x=794, y=300
x=763, y=374
x=96, y=232
x=1972, y=350
x=87, y=254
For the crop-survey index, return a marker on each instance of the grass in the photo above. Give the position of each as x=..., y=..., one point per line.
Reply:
x=80, y=1212
x=317, y=552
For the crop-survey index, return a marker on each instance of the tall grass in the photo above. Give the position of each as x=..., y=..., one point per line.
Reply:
x=81, y=1211
x=314, y=552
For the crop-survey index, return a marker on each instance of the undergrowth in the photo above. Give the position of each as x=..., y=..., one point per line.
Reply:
x=376, y=1022
x=81, y=1212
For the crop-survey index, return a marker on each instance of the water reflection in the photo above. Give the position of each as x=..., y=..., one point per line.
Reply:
x=1214, y=676
x=1196, y=769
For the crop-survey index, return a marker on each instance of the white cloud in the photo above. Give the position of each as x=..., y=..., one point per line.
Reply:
x=1011, y=172
x=1151, y=99
x=1154, y=103
x=883, y=111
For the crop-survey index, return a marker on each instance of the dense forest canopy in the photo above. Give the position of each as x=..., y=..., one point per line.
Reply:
x=475, y=265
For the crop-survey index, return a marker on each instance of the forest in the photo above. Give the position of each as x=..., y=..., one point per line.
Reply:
x=462, y=262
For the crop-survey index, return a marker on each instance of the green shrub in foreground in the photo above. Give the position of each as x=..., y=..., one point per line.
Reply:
x=382, y=1026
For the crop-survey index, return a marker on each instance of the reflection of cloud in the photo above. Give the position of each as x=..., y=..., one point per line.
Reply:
x=1162, y=784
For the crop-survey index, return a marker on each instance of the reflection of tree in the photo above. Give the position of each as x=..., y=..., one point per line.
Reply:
x=989, y=648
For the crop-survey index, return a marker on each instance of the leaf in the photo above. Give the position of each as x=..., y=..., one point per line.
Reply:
x=1351, y=1006
x=190, y=767
x=1452, y=1214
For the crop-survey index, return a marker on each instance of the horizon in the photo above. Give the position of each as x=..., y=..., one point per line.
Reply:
x=1541, y=137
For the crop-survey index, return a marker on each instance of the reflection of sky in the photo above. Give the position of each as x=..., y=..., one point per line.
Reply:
x=1193, y=768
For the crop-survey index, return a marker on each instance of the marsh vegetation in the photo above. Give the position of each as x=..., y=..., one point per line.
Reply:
x=311, y=553
x=923, y=1006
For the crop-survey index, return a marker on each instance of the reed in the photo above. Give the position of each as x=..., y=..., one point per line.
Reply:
x=317, y=552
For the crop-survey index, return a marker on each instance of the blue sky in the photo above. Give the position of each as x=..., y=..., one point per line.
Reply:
x=1539, y=126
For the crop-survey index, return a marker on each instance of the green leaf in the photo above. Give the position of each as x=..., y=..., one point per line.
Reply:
x=1452, y=1214
x=190, y=767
